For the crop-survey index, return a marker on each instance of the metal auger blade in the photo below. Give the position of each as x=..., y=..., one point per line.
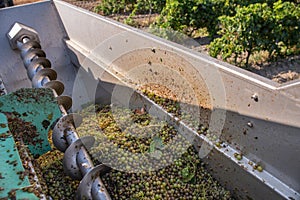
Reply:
x=31, y=54
x=57, y=86
x=70, y=164
x=65, y=101
x=38, y=79
x=64, y=124
x=36, y=65
x=87, y=184
x=29, y=45
x=76, y=161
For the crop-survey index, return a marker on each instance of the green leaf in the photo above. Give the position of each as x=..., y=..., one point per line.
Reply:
x=152, y=147
x=156, y=144
x=188, y=173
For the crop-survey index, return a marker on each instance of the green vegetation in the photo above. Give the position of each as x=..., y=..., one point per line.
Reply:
x=258, y=27
x=108, y=7
x=237, y=28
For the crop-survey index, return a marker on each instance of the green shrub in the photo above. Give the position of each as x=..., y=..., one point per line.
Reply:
x=258, y=27
x=189, y=15
x=148, y=6
x=287, y=29
x=108, y=7
x=244, y=27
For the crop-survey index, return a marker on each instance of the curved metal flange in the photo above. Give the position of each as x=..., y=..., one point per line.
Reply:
x=86, y=185
x=57, y=86
x=65, y=101
x=70, y=164
x=64, y=123
x=99, y=191
x=39, y=77
x=29, y=45
x=31, y=54
x=36, y=65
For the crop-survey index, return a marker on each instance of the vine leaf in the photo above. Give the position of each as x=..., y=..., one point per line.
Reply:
x=155, y=147
x=188, y=173
x=158, y=143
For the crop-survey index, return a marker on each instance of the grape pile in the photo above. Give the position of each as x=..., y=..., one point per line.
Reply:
x=59, y=185
x=150, y=159
x=164, y=97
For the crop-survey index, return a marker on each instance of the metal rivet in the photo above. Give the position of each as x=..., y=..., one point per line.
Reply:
x=255, y=97
x=250, y=124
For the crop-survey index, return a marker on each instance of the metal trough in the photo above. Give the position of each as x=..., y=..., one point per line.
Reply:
x=102, y=61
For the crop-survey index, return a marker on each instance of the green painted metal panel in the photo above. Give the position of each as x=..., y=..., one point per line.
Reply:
x=39, y=108
x=11, y=166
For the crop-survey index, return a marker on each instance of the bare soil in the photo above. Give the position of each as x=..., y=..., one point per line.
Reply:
x=88, y=4
x=20, y=2
x=279, y=71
